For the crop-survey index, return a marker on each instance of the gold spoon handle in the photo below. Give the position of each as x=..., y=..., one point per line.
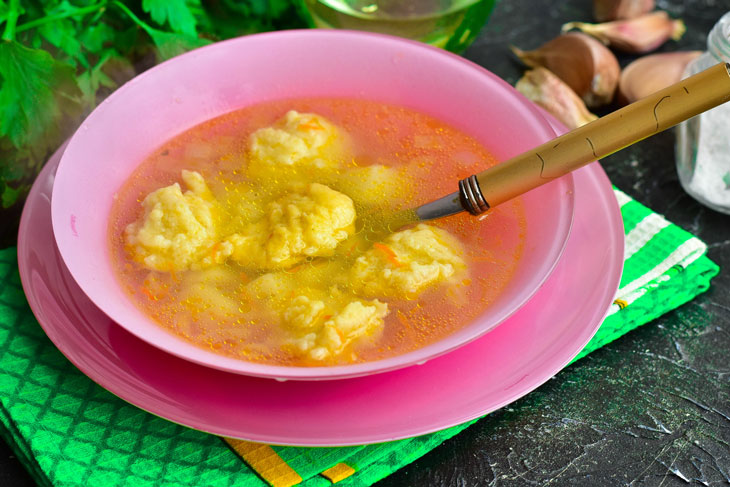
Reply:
x=598, y=139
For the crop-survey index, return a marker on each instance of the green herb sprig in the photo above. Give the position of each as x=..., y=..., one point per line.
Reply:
x=58, y=58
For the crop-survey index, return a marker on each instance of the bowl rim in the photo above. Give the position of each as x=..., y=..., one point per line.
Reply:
x=282, y=372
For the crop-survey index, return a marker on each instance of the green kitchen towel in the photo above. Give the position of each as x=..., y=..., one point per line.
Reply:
x=69, y=432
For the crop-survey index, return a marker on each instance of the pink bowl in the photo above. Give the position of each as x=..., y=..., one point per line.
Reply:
x=217, y=79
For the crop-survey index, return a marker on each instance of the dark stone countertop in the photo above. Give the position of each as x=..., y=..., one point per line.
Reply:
x=652, y=408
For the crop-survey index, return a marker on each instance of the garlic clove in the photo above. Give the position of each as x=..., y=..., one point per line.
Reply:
x=582, y=62
x=652, y=73
x=547, y=90
x=638, y=35
x=605, y=10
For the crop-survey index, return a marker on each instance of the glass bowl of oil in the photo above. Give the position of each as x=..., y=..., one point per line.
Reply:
x=449, y=24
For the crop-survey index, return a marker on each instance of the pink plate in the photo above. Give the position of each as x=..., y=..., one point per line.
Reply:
x=488, y=373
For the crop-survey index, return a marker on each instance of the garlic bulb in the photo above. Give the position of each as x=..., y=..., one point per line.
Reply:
x=638, y=35
x=605, y=10
x=652, y=73
x=582, y=62
x=547, y=90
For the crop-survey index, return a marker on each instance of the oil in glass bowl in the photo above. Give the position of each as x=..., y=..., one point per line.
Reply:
x=450, y=24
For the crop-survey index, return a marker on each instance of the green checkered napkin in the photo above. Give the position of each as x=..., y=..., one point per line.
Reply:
x=70, y=432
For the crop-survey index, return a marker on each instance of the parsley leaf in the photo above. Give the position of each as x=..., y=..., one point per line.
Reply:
x=96, y=36
x=9, y=195
x=17, y=169
x=37, y=91
x=170, y=44
x=90, y=81
x=62, y=34
x=278, y=7
x=174, y=12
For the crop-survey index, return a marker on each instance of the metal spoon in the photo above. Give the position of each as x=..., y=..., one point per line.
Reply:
x=595, y=140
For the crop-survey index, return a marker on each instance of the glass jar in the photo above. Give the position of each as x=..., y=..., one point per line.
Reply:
x=703, y=142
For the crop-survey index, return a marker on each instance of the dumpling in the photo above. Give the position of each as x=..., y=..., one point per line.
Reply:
x=407, y=262
x=296, y=141
x=306, y=223
x=177, y=229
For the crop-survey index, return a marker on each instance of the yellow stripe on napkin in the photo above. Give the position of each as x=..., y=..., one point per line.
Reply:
x=339, y=472
x=267, y=463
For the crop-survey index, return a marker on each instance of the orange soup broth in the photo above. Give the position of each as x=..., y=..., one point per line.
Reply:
x=435, y=155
